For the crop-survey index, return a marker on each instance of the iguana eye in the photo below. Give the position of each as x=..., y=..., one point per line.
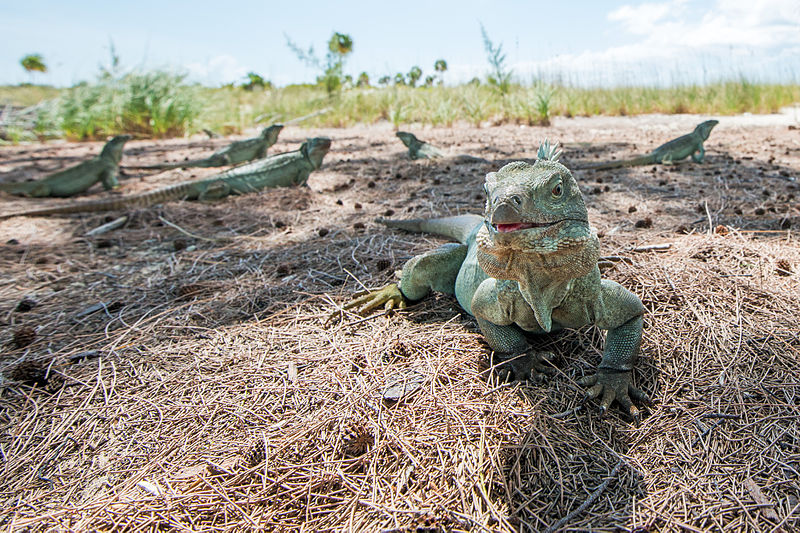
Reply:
x=558, y=190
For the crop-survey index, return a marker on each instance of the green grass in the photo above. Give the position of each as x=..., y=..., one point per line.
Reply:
x=159, y=104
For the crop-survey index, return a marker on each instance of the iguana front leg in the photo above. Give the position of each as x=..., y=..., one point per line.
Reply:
x=699, y=154
x=432, y=271
x=620, y=312
x=108, y=177
x=215, y=191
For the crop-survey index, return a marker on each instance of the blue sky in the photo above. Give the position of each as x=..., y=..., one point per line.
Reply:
x=580, y=42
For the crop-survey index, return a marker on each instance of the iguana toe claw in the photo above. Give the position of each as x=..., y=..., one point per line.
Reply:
x=526, y=366
x=614, y=386
x=388, y=297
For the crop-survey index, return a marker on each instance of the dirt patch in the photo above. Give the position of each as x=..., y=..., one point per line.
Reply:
x=158, y=378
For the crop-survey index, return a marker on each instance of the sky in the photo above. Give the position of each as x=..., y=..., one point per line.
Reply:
x=581, y=43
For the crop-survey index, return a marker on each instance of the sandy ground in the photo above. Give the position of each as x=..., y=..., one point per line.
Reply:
x=212, y=337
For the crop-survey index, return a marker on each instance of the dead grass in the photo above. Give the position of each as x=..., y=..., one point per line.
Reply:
x=210, y=394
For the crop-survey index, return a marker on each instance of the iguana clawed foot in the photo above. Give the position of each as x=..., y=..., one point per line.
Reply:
x=526, y=366
x=389, y=297
x=610, y=386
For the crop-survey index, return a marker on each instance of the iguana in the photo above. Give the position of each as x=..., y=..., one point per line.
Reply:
x=102, y=168
x=684, y=146
x=418, y=149
x=233, y=154
x=280, y=170
x=529, y=265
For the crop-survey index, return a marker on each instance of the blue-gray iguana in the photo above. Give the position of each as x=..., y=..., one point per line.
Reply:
x=684, y=146
x=235, y=153
x=529, y=265
x=102, y=168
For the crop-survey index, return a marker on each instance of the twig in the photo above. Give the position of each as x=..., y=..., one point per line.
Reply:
x=187, y=233
x=306, y=117
x=589, y=501
x=652, y=247
x=108, y=226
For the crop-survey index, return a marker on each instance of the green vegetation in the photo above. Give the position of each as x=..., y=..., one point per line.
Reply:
x=332, y=77
x=149, y=104
x=500, y=76
x=159, y=104
x=33, y=63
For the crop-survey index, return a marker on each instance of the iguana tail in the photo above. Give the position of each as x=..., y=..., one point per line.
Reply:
x=641, y=160
x=145, y=199
x=198, y=163
x=458, y=228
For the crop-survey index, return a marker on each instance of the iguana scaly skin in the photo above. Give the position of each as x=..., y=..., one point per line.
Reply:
x=684, y=146
x=280, y=170
x=528, y=266
x=233, y=154
x=418, y=149
x=102, y=168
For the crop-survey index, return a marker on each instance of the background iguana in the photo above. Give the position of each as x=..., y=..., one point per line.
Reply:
x=233, y=154
x=102, y=168
x=684, y=146
x=528, y=266
x=280, y=170
x=418, y=149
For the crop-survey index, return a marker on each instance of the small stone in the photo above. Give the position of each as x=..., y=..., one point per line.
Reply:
x=632, y=209
x=359, y=225
x=323, y=231
x=25, y=305
x=357, y=205
x=23, y=336
x=644, y=223
x=388, y=212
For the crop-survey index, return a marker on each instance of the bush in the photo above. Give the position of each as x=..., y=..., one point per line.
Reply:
x=150, y=104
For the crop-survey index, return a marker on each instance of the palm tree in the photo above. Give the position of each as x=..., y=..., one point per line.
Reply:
x=414, y=75
x=440, y=67
x=33, y=63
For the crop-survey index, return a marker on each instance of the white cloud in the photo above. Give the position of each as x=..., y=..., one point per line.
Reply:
x=642, y=18
x=676, y=41
x=217, y=70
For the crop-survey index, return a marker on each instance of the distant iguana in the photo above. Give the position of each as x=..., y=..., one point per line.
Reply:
x=102, y=168
x=528, y=266
x=233, y=154
x=421, y=150
x=684, y=146
x=280, y=170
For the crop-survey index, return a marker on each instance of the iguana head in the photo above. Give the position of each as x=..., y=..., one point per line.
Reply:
x=409, y=139
x=315, y=149
x=113, y=148
x=704, y=128
x=271, y=133
x=535, y=210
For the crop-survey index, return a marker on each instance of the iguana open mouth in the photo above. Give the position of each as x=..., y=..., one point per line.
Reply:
x=505, y=228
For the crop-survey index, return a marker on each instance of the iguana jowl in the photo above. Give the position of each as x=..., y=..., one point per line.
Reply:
x=528, y=266
x=233, y=154
x=280, y=170
x=684, y=146
x=102, y=168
